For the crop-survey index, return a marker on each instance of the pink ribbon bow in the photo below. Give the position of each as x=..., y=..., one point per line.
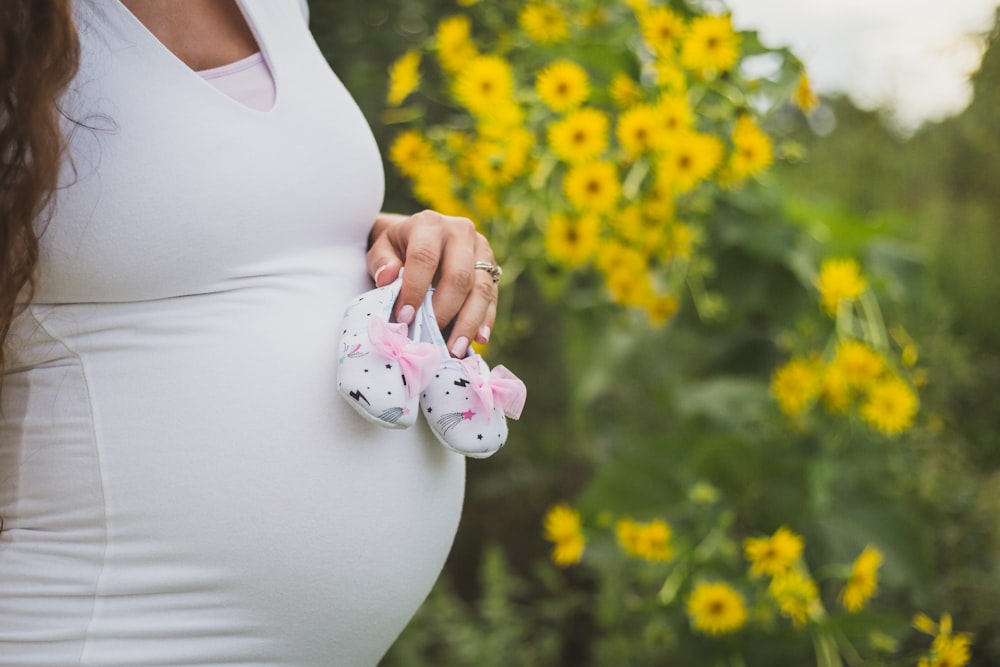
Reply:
x=417, y=361
x=501, y=388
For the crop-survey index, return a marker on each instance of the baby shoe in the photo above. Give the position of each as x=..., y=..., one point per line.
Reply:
x=466, y=404
x=382, y=369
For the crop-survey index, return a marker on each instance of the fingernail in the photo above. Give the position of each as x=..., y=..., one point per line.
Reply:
x=460, y=347
x=484, y=334
x=378, y=271
x=406, y=314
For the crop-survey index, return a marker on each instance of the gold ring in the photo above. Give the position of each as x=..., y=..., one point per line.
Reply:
x=494, y=270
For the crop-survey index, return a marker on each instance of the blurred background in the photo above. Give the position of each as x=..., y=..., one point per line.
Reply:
x=896, y=167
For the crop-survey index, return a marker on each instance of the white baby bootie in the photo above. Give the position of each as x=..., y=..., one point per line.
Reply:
x=465, y=404
x=381, y=369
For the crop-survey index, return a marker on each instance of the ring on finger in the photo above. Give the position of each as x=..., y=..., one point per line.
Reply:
x=494, y=270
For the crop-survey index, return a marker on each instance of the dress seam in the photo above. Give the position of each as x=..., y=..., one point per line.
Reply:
x=100, y=467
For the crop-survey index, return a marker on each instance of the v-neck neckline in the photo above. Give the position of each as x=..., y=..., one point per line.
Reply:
x=195, y=75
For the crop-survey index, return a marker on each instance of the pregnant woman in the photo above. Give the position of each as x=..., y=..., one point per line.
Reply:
x=188, y=199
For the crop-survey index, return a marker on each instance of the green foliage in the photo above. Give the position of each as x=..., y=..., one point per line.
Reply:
x=628, y=419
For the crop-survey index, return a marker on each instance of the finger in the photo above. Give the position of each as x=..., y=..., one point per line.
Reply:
x=457, y=273
x=424, y=242
x=486, y=328
x=474, y=315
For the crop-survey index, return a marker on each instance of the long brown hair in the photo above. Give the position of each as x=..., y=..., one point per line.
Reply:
x=39, y=55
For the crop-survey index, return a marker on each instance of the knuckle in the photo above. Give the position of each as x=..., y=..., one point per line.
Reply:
x=464, y=226
x=486, y=291
x=422, y=253
x=463, y=279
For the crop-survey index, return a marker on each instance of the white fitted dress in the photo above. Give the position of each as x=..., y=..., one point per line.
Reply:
x=180, y=482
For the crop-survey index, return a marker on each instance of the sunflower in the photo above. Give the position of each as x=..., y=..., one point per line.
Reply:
x=593, y=186
x=485, y=83
x=858, y=364
x=716, y=609
x=710, y=45
x=404, y=77
x=775, y=554
x=639, y=130
x=580, y=136
x=410, y=152
x=804, y=97
x=453, y=42
x=795, y=385
x=543, y=23
x=796, y=594
x=624, y=90
x=863, y=582
x=572, y=241
x=661, y=28
x=839, y=281
x=890, y=406
x=752, y=151
x=563, y=85
x=689, y=160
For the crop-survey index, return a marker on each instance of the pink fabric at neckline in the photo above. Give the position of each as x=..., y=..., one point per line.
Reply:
x=248, y=81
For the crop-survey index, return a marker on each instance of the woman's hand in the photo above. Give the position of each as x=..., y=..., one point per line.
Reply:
x=443, y=250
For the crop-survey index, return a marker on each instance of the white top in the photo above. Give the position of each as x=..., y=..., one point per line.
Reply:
x=180, y=482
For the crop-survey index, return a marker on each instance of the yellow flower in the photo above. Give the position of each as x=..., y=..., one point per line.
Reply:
x=639, y=130
x=681, y=241
x=839, y=280
x=650, y=541
x=796, y=594
x=543, y=23
x=689, y=160
x=794, y=386
x=410, y=152
x=623, y=90
x=710, y=45
x=614, y=257
x=580, y=136
x=562, y=522
x=572, y=241
x=626, y=273
x=563, y=85
x=773, y=555
x=404, y=77
x=835, y=389
x=562, y=527
x=639, y=229
x=863, y=582
x=593, y=186
x=433, y=185
x=859, y=364
x=568, y=552
x=454, y=43
x=669, y=75
x=637, y=5
x=675, y=114
x=661, y=308
x=496, y=162
x=752, y=151
x=947, y=650
x=716, y=609
x=467, y=3
x=890, y=406
x=628, y=288
x=804, y=97
x=485, y=83
x=661, y=28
